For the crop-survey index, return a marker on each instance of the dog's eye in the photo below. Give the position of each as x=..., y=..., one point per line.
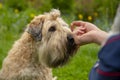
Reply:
x=52, y=29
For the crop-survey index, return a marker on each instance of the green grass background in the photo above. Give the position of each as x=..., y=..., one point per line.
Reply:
x=13, y=23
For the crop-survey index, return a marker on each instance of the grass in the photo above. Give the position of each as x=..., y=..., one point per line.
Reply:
x=6, y=41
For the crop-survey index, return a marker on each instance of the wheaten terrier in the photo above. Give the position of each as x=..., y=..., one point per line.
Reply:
x=47, y=42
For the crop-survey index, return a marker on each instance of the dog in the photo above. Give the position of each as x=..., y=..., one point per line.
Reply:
x=46, y=43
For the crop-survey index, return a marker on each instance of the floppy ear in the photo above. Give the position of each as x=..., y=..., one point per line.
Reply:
x=35, y=28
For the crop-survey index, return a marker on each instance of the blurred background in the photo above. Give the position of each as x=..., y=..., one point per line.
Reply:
x=16, y=14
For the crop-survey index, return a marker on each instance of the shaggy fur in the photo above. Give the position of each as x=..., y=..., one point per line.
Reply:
x=47, y=42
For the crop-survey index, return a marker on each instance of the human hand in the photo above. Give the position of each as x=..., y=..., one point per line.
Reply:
x=86, y=32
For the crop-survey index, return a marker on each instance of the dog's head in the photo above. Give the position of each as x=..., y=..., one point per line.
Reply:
x=53, y=37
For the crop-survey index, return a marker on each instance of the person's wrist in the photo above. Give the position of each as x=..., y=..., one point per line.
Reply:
x=99, y=37
x=104, y=37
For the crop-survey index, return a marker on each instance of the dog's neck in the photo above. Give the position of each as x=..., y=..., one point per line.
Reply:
x=23, y=59
x=25, y=50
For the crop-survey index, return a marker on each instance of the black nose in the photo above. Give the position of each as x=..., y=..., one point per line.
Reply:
x=70, y=39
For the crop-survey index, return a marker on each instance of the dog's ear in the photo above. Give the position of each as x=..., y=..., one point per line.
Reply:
x=35, y=28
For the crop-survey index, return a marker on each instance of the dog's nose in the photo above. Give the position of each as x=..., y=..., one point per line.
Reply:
x=70, y=39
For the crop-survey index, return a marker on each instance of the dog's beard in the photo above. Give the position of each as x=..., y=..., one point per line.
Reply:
x=71, y=49
x=58, y=60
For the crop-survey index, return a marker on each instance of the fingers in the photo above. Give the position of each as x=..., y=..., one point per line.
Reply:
x=84, y=32
x=79, y=30
x=87, y=25
x=77, y=24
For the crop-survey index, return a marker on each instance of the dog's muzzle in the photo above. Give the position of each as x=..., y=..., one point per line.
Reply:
x=70, y=40
x=71, y=45
x=71, y=48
